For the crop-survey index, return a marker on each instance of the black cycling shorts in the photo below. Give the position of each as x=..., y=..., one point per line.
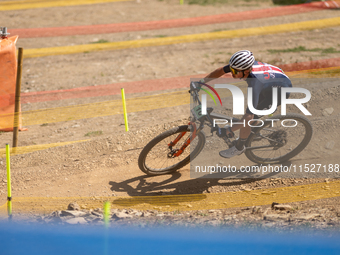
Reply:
x=266, y=100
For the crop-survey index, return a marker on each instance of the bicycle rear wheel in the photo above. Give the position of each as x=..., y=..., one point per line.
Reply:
x=278, y=141
x=157, y=156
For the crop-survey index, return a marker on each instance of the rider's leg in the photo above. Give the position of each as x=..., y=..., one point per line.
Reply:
x=239, y=148
x=265, y=102
x=244, y=131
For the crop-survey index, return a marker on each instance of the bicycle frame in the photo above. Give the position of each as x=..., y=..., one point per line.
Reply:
x=194, y=94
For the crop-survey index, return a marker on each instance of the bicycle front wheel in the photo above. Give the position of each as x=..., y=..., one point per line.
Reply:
x=279, y=139
x=158, y=158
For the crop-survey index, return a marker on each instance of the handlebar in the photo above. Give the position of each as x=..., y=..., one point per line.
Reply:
x=195, y=87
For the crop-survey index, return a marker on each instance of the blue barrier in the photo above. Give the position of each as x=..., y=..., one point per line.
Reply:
x=59, y=240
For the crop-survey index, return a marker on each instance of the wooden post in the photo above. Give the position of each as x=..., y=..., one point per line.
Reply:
x=17, y=99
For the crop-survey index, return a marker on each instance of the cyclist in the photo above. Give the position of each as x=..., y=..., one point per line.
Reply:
x=262, y=77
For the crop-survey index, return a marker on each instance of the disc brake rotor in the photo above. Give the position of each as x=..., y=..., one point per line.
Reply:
x=278, y=139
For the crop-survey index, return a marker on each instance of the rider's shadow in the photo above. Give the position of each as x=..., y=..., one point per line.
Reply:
x=239, y=175
x=148, y=190
x=150, y=186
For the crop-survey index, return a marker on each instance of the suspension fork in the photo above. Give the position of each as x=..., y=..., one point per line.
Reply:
x=187, y=142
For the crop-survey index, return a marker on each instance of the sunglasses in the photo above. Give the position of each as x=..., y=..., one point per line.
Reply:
x=234, y=71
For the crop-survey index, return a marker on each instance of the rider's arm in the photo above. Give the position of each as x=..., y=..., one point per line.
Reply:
x=217, y=73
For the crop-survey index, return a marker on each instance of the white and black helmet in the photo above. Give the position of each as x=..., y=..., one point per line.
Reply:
x=242, y=60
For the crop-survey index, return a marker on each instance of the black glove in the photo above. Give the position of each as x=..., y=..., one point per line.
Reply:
x=195, y=86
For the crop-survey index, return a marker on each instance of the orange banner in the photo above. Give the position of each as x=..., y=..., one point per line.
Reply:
x=8, y=73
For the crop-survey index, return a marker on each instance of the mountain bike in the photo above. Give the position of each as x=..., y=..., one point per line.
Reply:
x=276, y=140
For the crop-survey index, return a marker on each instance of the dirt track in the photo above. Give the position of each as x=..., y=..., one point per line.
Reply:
x=106, y=164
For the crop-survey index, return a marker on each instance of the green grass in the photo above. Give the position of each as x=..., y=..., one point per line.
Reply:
x=94, y=133
x=218, y=30
x=230, y=2
x=303, y=49
x=101, y=41
x=330, y=50
x=160, y=36
x=207, y=2
x=288, y=2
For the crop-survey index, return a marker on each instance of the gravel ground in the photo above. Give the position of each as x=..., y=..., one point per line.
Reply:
x=294, y=217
